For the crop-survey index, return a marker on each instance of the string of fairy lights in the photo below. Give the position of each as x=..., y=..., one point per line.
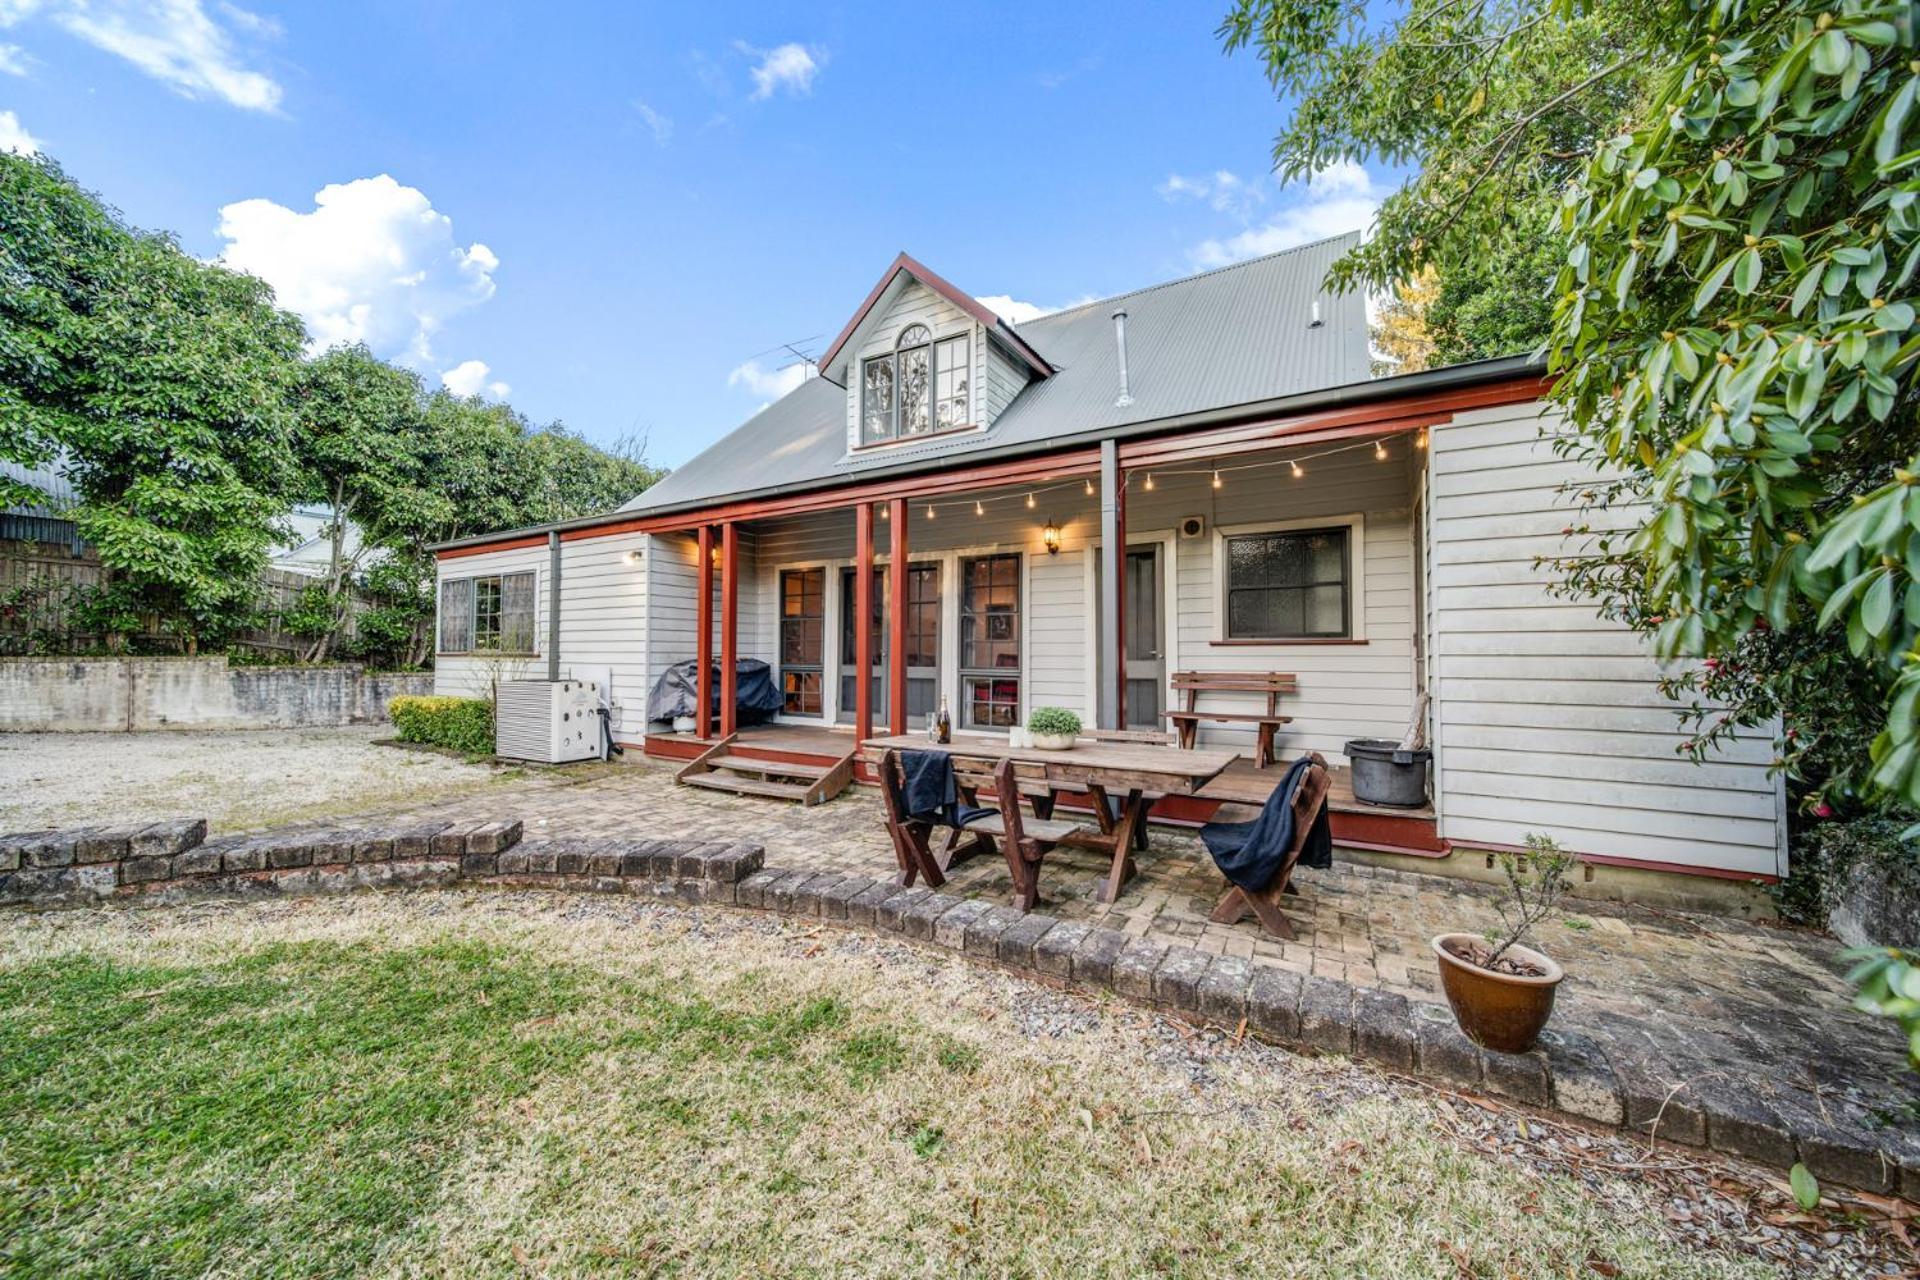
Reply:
x=1217, y=477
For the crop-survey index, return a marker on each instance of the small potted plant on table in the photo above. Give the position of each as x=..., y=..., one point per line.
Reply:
x=1053, y=728
x=1502, y=992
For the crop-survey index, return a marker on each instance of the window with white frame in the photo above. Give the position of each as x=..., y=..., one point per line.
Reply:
x=918, y=388
x=1288, y=583
x=488, y=613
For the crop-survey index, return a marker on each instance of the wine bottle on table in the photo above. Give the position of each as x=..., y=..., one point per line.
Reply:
x=943, y=722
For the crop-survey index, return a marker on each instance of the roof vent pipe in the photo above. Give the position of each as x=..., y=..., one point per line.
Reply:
x=1315, y=322
x=1120, y=341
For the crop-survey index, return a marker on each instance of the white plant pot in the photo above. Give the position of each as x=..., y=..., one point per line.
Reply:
x=683, y=724
x=1052, y=741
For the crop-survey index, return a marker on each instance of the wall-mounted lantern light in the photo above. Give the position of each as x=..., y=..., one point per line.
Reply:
x=1051, y=537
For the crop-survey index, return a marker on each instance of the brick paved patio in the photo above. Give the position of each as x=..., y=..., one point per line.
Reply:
x=1730, y=1008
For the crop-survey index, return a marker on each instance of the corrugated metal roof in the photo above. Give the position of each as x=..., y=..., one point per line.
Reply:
x=1236, y=335
x=50, y=480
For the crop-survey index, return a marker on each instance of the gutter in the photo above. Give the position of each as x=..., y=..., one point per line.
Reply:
x=1451, y=378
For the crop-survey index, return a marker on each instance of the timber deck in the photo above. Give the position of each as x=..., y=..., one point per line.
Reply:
x=1234, y=794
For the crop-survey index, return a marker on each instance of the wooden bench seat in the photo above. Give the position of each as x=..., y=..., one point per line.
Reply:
x=1038, y=828
x=1187, y=720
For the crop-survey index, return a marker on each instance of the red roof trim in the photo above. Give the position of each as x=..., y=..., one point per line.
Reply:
x=965, y=301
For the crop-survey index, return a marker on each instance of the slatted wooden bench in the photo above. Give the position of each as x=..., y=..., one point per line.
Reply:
x=1191, y=684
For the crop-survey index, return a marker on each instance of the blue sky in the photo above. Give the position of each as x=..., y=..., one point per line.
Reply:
x=616, y=214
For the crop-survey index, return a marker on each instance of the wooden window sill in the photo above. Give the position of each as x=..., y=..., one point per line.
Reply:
x=1278, y=644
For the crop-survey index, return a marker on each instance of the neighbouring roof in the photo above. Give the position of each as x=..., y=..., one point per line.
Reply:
x=1233, y=336
x=50, y=480
x=310, y=549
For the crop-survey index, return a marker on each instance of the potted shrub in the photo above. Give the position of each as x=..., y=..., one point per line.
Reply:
x=1502, y=992
x=1053, y=728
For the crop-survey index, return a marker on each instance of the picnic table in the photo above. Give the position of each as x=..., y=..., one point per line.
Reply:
x=1126, y=771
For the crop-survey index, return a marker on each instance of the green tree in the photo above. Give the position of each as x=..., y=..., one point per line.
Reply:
x=1496, y=105
x=1734, y=334
x=161, y=381
x=357, y=445
x=1734, y=330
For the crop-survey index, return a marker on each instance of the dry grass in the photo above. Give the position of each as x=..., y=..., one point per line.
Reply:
x=604, y=1087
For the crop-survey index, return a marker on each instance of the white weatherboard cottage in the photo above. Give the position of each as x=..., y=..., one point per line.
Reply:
x=1280, y=510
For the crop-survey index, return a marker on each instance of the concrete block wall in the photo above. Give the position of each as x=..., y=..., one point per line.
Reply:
x=120, y=695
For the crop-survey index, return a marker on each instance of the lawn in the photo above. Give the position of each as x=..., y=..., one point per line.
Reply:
x=516, y=1084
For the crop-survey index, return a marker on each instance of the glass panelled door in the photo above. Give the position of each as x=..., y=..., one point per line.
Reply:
x=1145, y=624
x=923, y=644
x=802, y=639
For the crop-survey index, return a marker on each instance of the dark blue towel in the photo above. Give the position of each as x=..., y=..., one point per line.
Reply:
x=1250, y=853
x=930, y=792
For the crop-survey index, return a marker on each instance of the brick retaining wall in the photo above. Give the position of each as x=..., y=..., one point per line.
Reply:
x=1610, y=1081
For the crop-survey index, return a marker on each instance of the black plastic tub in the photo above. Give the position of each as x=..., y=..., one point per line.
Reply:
x=1384, y=774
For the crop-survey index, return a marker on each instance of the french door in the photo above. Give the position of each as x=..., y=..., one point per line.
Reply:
x=923, y=643
x=1144, y=627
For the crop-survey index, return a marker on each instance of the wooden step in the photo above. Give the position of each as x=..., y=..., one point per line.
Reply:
x=746, y=786
x=772, y=768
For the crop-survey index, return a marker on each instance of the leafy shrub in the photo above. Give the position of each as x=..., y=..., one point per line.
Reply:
x=1053, y=720
x=463, y=724
x=1825, y=852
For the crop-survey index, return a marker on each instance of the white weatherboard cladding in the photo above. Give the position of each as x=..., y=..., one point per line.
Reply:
x=603, y=609
x=1547, y=717
x=473, y=675
x=1345, y=690
x=1003, y=376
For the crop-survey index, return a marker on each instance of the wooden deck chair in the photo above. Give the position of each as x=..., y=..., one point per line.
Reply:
x=910, y=834
x=1026, y=841
x=1308, y=801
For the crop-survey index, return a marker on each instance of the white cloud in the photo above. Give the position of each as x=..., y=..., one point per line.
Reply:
x=768, y=384
x=372, y=262
x=657, y=124
x=1223, y=191
x=469, y=378
x=175, y=42
x=1338, y=199
x=13, y=60
x=15, y=138
x=1012, y=309
x=1341, y=178
x=790, y=67
x=1015, y=311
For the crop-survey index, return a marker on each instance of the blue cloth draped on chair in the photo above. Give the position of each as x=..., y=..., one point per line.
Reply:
x=931, y=793
x=1250, y=853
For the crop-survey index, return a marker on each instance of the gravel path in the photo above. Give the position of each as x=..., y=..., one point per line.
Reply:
x=238, y=780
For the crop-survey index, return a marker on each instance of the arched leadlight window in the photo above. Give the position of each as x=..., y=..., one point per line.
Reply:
x=913, y=358
x=919, y=388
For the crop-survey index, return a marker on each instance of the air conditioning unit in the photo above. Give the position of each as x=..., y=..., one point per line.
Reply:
x=1193, y=526
x=549, y=721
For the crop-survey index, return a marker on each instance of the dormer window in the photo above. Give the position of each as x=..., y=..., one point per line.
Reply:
x=920, y=388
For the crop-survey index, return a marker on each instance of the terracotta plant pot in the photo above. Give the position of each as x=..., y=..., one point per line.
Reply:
x=1500, y=1011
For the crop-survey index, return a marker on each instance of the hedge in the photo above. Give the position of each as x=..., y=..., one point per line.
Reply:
x=464, y=724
